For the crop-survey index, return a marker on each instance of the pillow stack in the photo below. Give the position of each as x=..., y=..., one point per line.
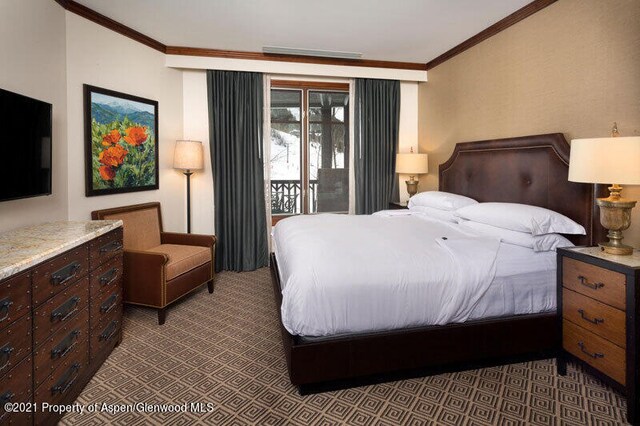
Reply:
x=523, y=225
x=520, y=224
x=438, y=204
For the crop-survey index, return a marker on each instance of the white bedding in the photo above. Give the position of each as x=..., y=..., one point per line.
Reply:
x=352, y=274
x=525, y=283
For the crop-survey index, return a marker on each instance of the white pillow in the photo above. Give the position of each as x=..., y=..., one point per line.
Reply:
x=440, y=200
x=521, y=217
x=546, y=242
x=445, y=215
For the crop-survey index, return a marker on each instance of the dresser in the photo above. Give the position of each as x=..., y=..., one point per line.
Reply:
x=598, y=308
x=60, y=314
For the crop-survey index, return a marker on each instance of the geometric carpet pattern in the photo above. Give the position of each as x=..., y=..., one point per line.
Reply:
x=224, y=350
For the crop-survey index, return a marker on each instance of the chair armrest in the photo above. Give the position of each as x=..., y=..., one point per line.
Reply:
x=144, y=278
x=187, y=239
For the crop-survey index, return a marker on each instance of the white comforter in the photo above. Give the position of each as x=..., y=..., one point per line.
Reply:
x=350, y=274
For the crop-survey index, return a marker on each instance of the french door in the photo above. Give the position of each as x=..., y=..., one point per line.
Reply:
x=309, y=148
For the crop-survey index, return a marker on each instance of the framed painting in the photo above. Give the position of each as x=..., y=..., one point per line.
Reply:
x=121, y=136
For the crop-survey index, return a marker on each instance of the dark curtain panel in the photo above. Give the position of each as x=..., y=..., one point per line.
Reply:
x=377, y=117
x=235, y=135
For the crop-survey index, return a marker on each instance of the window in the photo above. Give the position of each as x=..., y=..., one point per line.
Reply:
x=309, y=148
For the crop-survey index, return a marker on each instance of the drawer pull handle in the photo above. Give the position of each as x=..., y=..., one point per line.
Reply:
x=109, y=332
x=65, y=274
x=64, y=347
x=109, y=304
x=66, y=380
x=4, y=308
x=65, y=310
x=595, y=321
x=595, y=355
x=5, y=353
x=584, y=282
x=109, y=277
x=111, y=247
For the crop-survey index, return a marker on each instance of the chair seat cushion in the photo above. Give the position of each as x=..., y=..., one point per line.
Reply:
x=182, y=258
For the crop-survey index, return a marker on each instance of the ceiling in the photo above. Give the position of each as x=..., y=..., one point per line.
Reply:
x=391, y=30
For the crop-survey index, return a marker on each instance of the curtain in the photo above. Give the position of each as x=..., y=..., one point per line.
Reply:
x=377, y=115
x=235, y=134
x=266, y=149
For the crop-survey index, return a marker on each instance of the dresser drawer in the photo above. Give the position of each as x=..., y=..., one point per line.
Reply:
x=105, y=247
x=16, y=387
x=107, y=276
x=58, y=387
x=593, y=281
x=103, y=304
x=70, y=338
x=595, y=351
x=106, y=334
x=55, y=275
x=60, y=310
x=15, y=343
x=595, y=316
x=15, y=298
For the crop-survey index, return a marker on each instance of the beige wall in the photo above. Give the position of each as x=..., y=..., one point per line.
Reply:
x=101, y=57
x=32, y=63
x=573, y=67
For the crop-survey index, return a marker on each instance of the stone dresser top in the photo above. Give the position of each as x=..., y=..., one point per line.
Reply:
x=23, y=248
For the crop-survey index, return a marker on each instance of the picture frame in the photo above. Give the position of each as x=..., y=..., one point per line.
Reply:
x=121, y=142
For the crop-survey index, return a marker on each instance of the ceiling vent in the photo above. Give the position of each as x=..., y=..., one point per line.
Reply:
x=310, y=52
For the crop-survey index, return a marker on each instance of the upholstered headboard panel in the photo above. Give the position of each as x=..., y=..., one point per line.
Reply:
x=529, y=170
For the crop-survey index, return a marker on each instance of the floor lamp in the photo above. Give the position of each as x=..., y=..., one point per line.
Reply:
x=188, y=156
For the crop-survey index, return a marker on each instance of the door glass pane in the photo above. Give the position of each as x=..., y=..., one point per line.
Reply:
x=328, y=151
x=286, y=158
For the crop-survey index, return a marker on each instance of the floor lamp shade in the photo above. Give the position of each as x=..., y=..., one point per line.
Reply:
x=188, y=156
x=615, y=161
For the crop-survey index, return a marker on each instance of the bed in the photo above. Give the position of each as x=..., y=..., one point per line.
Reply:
x=529, y=170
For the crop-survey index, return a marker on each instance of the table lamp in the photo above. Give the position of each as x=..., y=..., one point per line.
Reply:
x=412, y=164
x=188, y=156
x=605, y=161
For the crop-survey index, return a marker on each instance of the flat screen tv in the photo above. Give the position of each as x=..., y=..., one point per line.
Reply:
x=25, y=141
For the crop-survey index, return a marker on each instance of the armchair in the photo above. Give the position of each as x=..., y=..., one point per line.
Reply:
x=160, y=267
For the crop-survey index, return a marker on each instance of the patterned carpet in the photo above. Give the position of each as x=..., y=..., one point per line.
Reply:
x=224, y=350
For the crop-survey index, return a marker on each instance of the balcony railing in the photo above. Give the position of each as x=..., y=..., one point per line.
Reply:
x=286, y=196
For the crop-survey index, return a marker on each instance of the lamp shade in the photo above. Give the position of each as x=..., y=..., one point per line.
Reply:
x=605, y=160
x=412, y=164
x=188, y=155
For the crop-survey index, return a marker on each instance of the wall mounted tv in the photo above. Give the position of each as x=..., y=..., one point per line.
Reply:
x=25, y=141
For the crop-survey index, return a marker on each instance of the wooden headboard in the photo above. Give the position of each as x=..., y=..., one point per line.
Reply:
x=529, y=170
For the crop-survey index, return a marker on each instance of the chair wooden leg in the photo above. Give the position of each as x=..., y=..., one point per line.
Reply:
x=162, y=315
x=210, y=285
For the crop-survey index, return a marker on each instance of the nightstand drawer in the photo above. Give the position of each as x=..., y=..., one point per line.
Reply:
x=598, y=283
x=594, y=316
x=595, y=351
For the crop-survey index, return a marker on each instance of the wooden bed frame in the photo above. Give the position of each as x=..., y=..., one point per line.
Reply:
x=530, y=170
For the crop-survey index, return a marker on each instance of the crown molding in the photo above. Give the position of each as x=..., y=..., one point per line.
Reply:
x=109, y=23
x=517, y=16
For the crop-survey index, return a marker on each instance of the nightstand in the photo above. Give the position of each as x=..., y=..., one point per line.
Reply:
x=396, y=205
x=598, y=310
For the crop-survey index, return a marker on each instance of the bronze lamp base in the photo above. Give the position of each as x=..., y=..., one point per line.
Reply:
x=412, y=186
x=615, y=216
